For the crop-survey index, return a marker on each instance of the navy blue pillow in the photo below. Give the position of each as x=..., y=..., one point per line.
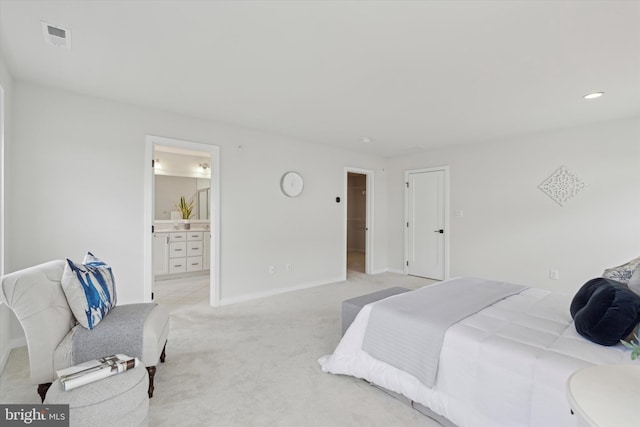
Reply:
x=605, y=311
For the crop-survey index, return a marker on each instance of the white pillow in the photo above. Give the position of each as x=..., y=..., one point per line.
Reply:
x=90, y=290
x=622, y=273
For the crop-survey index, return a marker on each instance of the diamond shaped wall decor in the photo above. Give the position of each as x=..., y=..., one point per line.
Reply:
x=562, y=186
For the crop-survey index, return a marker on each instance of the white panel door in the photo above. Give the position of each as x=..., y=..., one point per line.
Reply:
x=425, y=225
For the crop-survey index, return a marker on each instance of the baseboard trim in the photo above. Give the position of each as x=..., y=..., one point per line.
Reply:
x=388, y=270
x=258, y=295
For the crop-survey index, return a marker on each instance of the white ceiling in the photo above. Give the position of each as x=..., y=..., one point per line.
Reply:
x=407, y=74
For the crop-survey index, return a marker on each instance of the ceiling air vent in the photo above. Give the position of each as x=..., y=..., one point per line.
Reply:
x=56, y=36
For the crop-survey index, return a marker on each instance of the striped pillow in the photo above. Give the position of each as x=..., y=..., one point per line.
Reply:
x=90, y=290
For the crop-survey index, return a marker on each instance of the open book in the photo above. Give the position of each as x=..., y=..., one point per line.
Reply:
x=95, y=370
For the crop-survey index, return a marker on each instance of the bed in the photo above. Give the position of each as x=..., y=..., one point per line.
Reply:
x=505, y=365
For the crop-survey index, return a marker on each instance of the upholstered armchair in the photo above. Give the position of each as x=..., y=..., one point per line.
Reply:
x=36, y=296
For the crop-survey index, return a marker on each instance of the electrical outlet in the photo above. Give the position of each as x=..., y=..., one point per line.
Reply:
x=553, y=274
x=272, y=269
x=288, y=267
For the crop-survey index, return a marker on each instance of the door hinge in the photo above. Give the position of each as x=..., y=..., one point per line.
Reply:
x=407, y=184
x=407, y=263
x=407, y=224
x=152, y=296
x=153, y=228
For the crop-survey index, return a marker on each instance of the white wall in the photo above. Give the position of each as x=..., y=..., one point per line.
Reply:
x=10, y=330
x=78, y=183
x=511, y=230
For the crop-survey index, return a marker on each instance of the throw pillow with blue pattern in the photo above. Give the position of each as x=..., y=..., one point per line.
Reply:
x=90, y=289
x=622, y=273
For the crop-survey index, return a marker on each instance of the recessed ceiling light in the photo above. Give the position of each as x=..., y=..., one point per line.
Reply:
x=366, y=140
x=593, y=95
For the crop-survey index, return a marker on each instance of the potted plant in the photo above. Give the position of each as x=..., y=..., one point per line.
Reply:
x=633, y=346
x=185, y=209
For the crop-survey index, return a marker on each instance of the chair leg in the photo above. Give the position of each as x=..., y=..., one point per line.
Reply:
x=42, y=390
x=164, y=352
x=152, y=374
x=152, y=369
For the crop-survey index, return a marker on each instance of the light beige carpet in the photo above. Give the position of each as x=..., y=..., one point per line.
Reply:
x=254, y=363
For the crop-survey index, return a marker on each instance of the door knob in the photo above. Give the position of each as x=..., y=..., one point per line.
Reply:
x=441, y=231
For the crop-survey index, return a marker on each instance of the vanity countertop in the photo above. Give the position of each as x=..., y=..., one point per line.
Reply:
x=180, y=230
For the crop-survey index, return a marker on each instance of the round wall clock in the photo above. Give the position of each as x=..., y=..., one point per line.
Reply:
x=291, y=184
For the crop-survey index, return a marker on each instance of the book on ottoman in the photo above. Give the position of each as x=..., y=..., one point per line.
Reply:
x=95, y=370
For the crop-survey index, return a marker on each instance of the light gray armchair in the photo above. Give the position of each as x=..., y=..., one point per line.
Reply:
x=35, y=295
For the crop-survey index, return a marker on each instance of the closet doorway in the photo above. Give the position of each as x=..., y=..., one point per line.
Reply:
x=182, y=245
x=358, y=221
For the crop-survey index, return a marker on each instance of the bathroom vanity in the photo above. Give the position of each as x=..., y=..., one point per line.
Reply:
x=181, y=252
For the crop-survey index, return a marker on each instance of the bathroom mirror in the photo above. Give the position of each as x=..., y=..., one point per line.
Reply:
x=169, y=189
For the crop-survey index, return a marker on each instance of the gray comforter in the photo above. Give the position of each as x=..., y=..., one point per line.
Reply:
x=407, y=330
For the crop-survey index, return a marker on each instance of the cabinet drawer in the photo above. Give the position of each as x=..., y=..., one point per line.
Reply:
x=194, y=248
x=194, y=263
x=177, y=249
x=177, y=265
x=178, y=237
x=193, y=236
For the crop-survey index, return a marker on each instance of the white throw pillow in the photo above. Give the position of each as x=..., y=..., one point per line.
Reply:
x=622, y=273
x=90, y=290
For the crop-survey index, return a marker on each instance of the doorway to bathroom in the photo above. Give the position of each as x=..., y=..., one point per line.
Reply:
x=182, y=216
x=358, y=221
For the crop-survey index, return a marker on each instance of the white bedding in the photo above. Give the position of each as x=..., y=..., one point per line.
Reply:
x=506, y=365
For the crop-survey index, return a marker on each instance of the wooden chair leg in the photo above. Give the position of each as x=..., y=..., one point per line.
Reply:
x=42, y=390
x=152, y=370
x=164, y=352
x=152, y=374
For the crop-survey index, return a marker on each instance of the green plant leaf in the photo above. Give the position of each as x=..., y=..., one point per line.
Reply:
x=626, y=344
x=185, y=208
x=633, y=346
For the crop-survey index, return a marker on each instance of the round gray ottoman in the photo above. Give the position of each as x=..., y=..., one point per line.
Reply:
x=120, y=400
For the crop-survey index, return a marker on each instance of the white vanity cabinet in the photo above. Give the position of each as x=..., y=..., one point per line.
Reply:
x=160, y=253
x=176, y=252
x=194, y=251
